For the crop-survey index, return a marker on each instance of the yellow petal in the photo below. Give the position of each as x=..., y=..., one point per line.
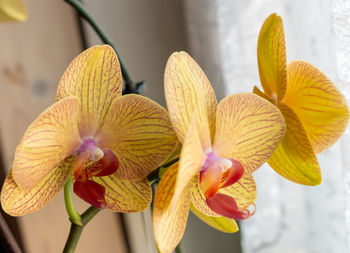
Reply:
x=198, y=199
x=294, y=157
x=188, y=93
x=17, y=201
x=191, y=160
x=318, y=103
x=12, y=10
x=220, y=223
x=272, y=57
x=95, y=78
x=139, y=132
x=124, y=195
x=249, y=129
x=51, y=138
x=169, y=223
x=244, y=192
x=175, y=155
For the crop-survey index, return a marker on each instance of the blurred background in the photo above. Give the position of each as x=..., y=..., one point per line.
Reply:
x=221, y=36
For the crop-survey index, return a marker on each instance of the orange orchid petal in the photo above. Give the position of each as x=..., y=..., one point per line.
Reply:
x=12, y=10
x=294, y=157
x=318, y=103
x=244, y=192
x=17, y=201
x=51, y=138
x=139, y=132
x=272, y=57
x=220, y=223
x=95, y=78
x=188, y=93
x=169, y=223
x=198, y=199
x=125, y=195
x=249, y=129
x=191, y=160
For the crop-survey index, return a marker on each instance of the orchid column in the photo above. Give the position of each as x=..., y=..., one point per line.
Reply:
x=299, y=218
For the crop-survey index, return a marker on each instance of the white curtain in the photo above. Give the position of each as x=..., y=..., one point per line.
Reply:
x=223, y=36
x=341, y=24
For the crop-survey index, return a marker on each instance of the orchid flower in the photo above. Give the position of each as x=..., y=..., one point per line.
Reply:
x=12, y=10
x=315, y=112
x=222, y=145
x=107, y=142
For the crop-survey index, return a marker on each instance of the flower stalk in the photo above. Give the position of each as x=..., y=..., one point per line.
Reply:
x=76, y=230
x=74, y=216
x=83, y=12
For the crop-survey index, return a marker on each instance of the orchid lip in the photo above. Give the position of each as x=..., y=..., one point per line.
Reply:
x=218, y=172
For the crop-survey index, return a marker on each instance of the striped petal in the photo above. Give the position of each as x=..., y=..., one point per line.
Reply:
x=124, y=195
x=272, y=57
x=249, y=129
x=139, y=132
x=294, y=157
x=188, y=93
x=17, y=201
x=191, y=160
x=12, y=10
x=244, y=192
x=51, y=138
x=318, y=103
x=169, y=223
x=222, y=224
x=95, y=78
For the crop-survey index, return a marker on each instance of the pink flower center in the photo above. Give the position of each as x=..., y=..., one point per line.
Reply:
x=95, y=153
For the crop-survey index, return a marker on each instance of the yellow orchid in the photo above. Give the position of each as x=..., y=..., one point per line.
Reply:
x=222, y=145
x=107, y=142
x=12, y=10
x=315, y=112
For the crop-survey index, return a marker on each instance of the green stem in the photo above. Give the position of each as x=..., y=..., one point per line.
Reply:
x=76, y=230
x=72, y=212
x=178, y=248
x=77, y=5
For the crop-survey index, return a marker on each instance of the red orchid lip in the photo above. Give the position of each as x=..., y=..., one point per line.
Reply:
x=227, y=206
x=91, y=192
x=218, y=172
x=87, y=189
